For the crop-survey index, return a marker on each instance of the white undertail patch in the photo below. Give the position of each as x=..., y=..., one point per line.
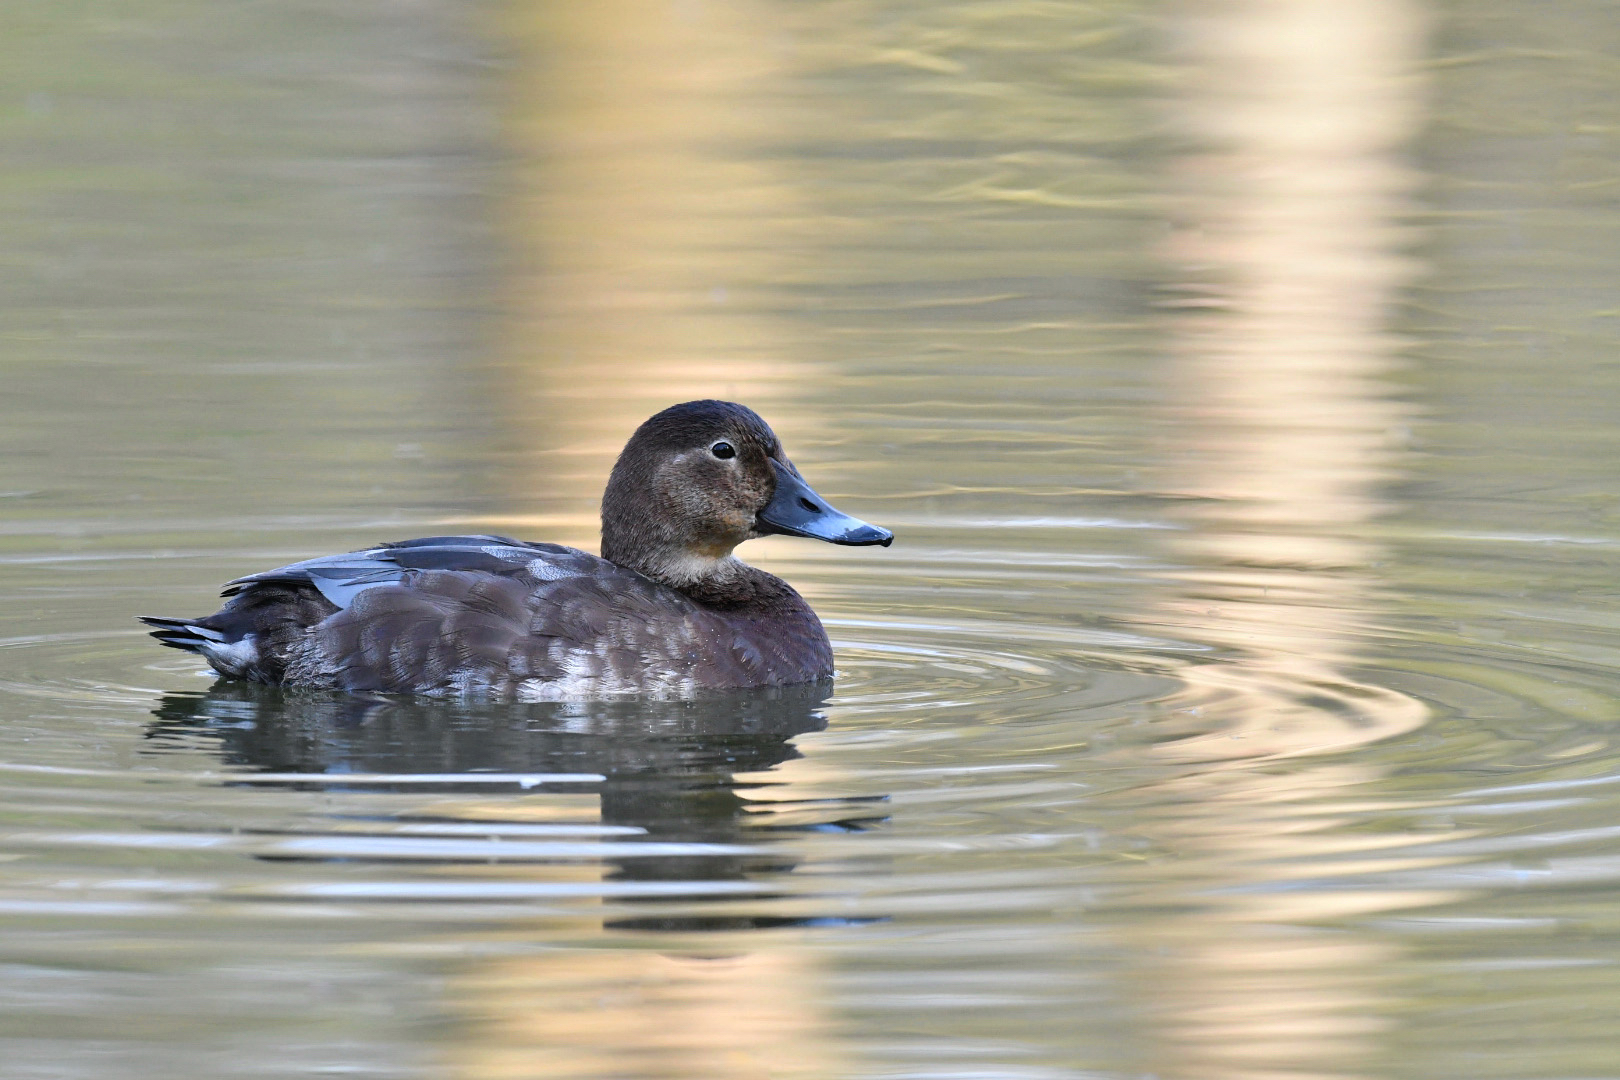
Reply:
x=231, y=658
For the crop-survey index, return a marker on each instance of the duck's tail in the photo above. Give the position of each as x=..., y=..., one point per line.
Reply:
x=230, y=648
x=188, y=634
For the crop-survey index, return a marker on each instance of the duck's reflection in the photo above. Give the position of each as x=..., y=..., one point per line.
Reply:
x=668, y=768
x=622, y=738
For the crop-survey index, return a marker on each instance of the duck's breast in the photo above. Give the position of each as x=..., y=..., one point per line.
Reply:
x=617, y=632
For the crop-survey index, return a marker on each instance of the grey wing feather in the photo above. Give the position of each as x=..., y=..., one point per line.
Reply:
x=341, y=578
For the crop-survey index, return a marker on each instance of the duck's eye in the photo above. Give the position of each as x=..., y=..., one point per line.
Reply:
x=723, y=450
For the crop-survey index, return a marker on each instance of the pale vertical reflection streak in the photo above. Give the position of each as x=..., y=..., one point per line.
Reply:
x=643, y=235
x=647, y=227
x=1282, y=432
x=1283, y=420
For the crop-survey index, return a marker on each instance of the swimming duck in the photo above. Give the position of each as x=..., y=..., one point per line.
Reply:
x=667, y=610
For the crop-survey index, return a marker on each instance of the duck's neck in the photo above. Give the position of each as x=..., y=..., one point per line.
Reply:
x=738, y=587
x=724, y=582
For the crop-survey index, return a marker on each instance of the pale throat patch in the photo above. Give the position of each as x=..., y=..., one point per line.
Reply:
x=686, y=567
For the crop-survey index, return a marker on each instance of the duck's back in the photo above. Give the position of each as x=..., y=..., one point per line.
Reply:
x=488, y=615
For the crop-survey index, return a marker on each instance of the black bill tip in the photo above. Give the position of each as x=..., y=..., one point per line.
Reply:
x=866, y=536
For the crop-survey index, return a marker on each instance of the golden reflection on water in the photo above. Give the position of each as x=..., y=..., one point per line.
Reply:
x=641, y=238
x=631, y=1012
x=643, y=235
x=1283, y=435
x=1284, y=424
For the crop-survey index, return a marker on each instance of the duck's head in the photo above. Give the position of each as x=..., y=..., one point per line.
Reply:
x=698, y=479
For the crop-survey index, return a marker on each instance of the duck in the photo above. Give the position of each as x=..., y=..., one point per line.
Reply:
x=667, y=610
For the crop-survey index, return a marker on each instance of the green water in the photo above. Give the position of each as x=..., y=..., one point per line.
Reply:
x=1237, y=700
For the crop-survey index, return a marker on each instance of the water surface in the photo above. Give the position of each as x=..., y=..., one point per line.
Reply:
x=1236, y=701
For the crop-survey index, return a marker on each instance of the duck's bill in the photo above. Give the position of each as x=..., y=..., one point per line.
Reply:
x=796, y=510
